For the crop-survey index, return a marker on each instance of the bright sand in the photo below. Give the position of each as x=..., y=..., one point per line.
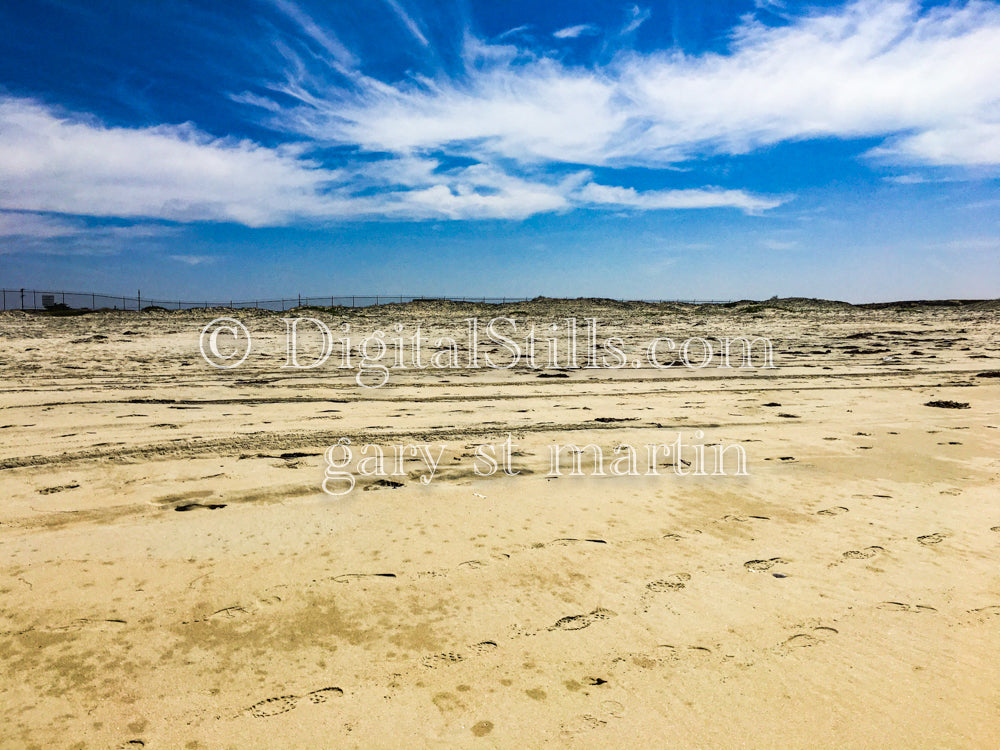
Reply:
x=845, y=593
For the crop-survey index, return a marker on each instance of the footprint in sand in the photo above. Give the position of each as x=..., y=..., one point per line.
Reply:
x=581, y=724
x=863, y=554
x=483, y=647
x=226, y=613
x=431, y=574
x=579, y=622
x=664, y=654
x=237, y=611
x=436, y=661
x=758, y=566
x=442, y=660
x=834, y=511
x=284, y=703
x=273, y=706
x=672, y=582
x=805, y=640
x=608, y=711
x=646, y=661
x=935, y=538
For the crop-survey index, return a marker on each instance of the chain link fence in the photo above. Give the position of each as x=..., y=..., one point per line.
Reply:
x=36, y=299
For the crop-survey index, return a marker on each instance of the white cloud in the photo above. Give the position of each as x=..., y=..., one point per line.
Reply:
x=970, y=144
x=71, y=166
x=64, y=165
x=908, y=179
x=572, y=32
x=676, y=199
x=411, y=187
x=193, y=260
x=776, y=245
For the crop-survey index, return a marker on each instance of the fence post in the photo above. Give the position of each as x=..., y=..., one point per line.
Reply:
x=34, y=299
x=138, y=299
x=376, y=300
x=22, y=299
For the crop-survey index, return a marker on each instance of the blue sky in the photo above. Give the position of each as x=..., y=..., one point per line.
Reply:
x=668, y=149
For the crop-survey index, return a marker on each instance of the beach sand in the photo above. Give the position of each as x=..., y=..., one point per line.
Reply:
x=174, y=575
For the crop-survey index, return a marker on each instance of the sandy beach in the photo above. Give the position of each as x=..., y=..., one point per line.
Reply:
x=175, y=576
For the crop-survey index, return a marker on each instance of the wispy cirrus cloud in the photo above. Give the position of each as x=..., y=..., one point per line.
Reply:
x=927, y=82
x=20, y=224
x=408, y=22
x=973, y=245
x=340, y=56
x=194, y=260
x=55, y=234
x=572, y=32
x=637, y=17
